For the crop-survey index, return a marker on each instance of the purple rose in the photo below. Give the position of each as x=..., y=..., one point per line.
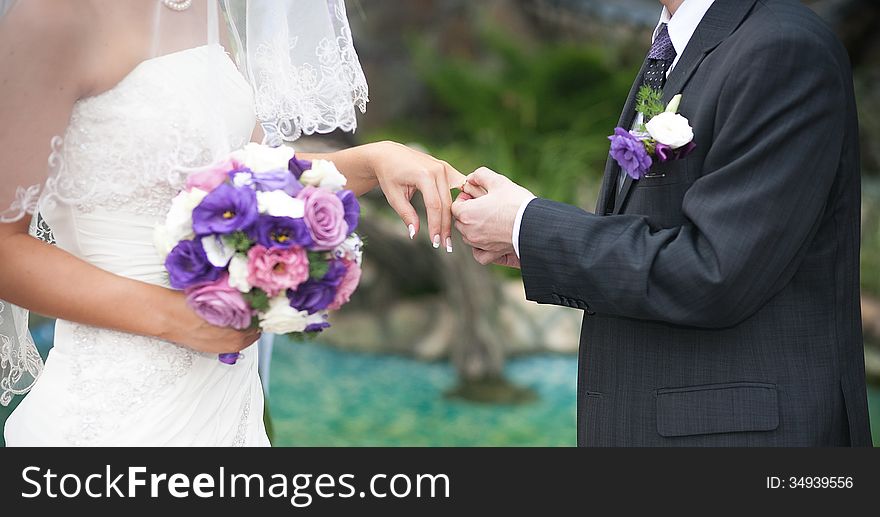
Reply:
x=325, y=217
x=281, y=232
x=225, y=210
x=316, y=295
x=297, y=167
x=188, y=264
x=351, y=208
x=630, y=153
x=666, y=154
x=219, y=304
x=280, y=179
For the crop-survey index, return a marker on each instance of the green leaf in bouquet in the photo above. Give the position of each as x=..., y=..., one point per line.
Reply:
x=257, y=299
x=318, y=265
x=239, y=241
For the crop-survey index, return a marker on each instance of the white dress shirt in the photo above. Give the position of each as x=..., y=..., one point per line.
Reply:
x=681, y=28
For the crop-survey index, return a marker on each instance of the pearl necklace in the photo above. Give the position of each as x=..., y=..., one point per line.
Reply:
x=178, y=5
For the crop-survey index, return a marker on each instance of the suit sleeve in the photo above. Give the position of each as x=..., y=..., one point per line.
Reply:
x=781, y=122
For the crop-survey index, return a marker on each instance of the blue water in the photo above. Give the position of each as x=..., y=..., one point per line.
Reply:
x=322, y=396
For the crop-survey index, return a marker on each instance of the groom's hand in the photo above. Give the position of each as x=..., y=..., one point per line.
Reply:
x=485, y=216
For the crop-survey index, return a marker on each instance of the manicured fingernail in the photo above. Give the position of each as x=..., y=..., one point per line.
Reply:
x=412, y=231
x=436, y=241
x=448, y=244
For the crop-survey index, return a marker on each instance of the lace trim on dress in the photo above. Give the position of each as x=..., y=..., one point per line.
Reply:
x=25, y=203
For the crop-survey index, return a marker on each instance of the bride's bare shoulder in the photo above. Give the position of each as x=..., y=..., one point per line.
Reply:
x=48, y=23
x=50, y=35
x=83, y=41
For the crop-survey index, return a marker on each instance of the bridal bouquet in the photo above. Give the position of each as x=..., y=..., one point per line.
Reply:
x=264, y=239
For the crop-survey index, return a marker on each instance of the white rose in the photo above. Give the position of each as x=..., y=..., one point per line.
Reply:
x=238, y=273
x=281, y=318
x=219, y=252
x=279, y=204
x=262, y=158
x=324, y=174
x=163, y=243
x=178, y=222
x=670, y=129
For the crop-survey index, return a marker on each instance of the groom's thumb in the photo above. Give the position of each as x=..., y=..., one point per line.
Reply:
x=485, y=178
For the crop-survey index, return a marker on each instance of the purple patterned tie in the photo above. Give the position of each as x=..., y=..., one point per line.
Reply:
x=660, y=58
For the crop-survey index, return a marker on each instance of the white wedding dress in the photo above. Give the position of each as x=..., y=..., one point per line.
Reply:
x=101, y=387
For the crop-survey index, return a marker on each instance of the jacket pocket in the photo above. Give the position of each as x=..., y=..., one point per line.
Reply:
x=717, y=408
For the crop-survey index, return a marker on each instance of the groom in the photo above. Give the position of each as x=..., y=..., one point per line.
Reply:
x=721, y=290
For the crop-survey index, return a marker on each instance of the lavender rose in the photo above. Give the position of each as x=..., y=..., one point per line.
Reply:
x=325, y=218
x=281, y=232
x=351, y=208
x=225, y=210
x=219, y=304
x=188, y=264
x=630, y=153
x=317, y=295
x=279, y=179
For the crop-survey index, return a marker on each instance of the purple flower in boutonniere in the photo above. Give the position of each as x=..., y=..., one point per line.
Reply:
x=629, y=151
x=664, y=153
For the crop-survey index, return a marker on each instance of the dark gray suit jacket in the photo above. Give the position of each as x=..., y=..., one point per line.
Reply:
x=722, y=293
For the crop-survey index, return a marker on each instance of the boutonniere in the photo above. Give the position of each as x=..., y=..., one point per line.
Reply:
x=666, y=135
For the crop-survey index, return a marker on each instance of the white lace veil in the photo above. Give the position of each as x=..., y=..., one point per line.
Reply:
x=298, y=57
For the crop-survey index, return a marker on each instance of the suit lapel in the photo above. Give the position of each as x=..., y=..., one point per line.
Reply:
x=609, y=180
x=719, y=22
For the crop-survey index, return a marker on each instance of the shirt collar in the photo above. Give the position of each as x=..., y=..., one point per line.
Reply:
x=683, y=25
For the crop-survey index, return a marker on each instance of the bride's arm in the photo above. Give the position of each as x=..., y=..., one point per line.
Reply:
x=50, y=281
x=401, y=171
x=43, y=71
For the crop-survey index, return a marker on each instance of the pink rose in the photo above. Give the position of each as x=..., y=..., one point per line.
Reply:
x=276, y=270
x=325, y=217
x=210, y=177
x=347, y=286
x=219, y=304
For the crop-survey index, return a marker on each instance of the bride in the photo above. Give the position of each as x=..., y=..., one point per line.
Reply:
x=132, y=95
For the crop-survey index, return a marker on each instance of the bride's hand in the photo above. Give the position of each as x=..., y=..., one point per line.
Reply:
x=185, y=327
x=401, y=171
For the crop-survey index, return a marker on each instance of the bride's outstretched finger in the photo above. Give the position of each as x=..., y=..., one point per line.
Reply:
x=445, y=192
